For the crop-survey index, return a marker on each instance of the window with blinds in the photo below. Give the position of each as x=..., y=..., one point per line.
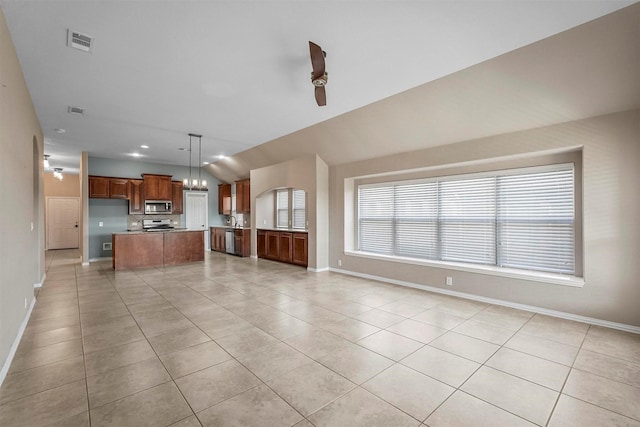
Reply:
x=518, y=218
x=298, y=209
x=282, y=208
x=291, y=208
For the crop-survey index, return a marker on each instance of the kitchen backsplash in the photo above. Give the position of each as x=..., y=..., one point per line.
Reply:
x=134, y=222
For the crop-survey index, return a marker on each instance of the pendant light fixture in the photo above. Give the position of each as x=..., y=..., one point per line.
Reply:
x=195, y=184
x=45, y=163
x=57, y=173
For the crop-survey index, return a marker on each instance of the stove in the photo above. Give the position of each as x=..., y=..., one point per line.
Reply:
x=156, y=225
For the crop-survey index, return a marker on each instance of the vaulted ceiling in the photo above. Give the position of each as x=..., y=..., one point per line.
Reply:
x=402, y=75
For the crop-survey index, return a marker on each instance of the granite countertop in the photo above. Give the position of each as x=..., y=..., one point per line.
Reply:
x=230, y=227
x=141, y=231
x=288, y=230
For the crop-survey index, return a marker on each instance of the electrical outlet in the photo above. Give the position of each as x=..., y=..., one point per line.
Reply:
x=106, y=246
x=339, y=263
x=100, y=224
x=264, y=222
x=449, y=281
x=25, y=303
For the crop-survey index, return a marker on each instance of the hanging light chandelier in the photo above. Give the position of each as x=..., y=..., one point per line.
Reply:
x=195, y=184
x=45, y=162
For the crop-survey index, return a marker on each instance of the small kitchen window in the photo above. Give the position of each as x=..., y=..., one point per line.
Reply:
x=291, y=208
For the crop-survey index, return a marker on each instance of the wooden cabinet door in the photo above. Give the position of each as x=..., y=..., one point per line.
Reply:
x=99, y=187
x=238, y=246
x=176, y=197
x=262, y=244
x=157, y=187
x=273, y=245
x=239, y=195
x=135, y=196
x=220, y=240
x=243, y=196
x=118, y=188
x=246, y=196
x=224, y=199
x=300, y=248
x=285, y=241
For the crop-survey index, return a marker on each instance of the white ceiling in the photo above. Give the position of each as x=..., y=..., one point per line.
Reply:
x=238, y=72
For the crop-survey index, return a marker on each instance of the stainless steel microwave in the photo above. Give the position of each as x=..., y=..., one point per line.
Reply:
x=154, y=207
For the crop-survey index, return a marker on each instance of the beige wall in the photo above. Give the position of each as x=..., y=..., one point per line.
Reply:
x=68, y=187
x=21, y=190
x=308, y=173
x=611, y=208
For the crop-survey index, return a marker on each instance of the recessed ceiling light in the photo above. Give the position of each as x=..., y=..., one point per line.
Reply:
x=144, y=146
x=60, y=130
x=183, y=149
x=136, y=154
x=222, y=157
x=205, y=163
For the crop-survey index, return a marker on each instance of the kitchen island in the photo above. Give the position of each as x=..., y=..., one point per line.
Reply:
x=137, y=249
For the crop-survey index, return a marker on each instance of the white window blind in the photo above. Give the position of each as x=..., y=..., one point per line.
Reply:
x=520, y=218
x=536, y=221
x=298, y=213
x=282, y=208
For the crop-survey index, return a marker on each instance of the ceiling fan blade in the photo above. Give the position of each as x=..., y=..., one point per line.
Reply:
x=317, y=60
x=321, y=96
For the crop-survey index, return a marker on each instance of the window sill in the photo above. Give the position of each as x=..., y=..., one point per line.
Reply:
x=535, y=276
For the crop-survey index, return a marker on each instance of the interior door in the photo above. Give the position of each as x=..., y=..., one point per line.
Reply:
x=63, y=214
x=197, y=212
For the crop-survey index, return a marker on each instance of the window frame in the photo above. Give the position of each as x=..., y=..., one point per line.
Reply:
x=488, y=168
x=290, y=209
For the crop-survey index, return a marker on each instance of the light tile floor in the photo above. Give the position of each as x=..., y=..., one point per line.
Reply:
x=239, y=342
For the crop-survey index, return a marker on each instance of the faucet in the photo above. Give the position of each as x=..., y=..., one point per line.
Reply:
x=233, y=221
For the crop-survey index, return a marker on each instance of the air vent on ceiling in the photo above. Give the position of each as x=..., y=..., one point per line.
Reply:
x=75, y=110
x=79, y=41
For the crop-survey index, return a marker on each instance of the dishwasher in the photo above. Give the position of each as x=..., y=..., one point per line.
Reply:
x=229, y=241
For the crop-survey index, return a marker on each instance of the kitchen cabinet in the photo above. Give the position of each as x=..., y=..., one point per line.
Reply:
x=284, y=246
x=135, y=196
x=176, y=197
x=99, y=187
x=218, y=239
x=118, y=188
x=242, y=242
x=262, y=243
x=243, y=196
x=224, y=199
x=273, y=245
x=299, y=253
x=157, y=187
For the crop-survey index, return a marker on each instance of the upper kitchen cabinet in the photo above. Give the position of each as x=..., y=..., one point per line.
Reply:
x=99, y=187
x=176, y=197
x=243, y=196
x=224, y=199
x=118, y=188
x=135, y=196
x=157, y=187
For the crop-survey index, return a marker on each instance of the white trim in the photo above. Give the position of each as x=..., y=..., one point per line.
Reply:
x=531, y=308
x=39, y=284
x=317, y=270
x=534, y=276
x=86, y=264
x=253, y=256
x=16, y=342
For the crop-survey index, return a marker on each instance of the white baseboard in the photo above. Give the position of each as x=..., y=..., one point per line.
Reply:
x=104, y=258
x=39, y=284
x=531, y=308
x=16, y=342
x=317, y=270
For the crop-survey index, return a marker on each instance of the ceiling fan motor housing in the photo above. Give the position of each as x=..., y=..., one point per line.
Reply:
x=320, y=81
